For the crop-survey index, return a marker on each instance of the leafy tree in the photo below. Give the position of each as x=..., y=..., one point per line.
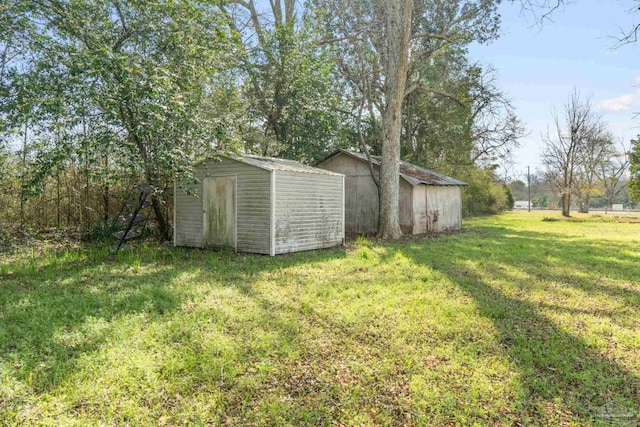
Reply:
x=289, y=86
x=485, y=194
x=610, y=174
x=519, y=190
x=375, y=39
x=132, y=80
x=510, y=202
x=634, y=169
x=540, y=201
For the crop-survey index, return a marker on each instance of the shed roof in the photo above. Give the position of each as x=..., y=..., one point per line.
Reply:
x=411, y=173
x=272, y=163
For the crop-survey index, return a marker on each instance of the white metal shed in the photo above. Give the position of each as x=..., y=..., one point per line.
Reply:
x=259, y=204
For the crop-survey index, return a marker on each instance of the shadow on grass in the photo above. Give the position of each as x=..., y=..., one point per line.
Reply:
x=58, y=306
x=554, y=365
x=44, y=304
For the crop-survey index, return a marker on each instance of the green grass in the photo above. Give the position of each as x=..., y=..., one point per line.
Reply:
x=515, y=321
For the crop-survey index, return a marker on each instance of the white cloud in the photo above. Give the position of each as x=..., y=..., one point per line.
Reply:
x=629, y=102
x=637, y=80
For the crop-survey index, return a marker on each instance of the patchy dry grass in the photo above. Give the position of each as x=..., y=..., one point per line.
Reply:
x=623, y=219
x=515, y=321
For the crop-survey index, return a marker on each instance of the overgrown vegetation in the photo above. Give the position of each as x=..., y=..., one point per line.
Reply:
x=513, y=321
x=96, y=96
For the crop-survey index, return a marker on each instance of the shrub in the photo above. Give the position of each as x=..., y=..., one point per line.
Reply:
x=484, y=195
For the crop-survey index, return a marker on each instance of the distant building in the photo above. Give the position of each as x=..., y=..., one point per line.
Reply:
x=521, y=204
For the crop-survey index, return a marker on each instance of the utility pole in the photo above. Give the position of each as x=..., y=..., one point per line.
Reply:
x=529, y=187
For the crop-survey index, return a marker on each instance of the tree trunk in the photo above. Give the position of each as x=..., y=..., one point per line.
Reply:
x=587, y=201
x=57, y=199
x=128, y=120
x=22, y=175
x=156, y=204
x=163, y=226
x=398, y=30
x=565, y=193
x=389, y=224
x=566, y=201
x=105, y=194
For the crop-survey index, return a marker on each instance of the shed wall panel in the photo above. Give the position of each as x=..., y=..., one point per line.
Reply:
x=308, y=211
x=253, y=206
x=366, y=206
x=444, y=208
x=406, y=207
x=361, y=197
x=420, y=209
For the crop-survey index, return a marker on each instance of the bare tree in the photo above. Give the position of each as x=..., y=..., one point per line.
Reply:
x=542, y=10
x=564, y=150
x=610, y=174
x=594, y=154
x=496, y=129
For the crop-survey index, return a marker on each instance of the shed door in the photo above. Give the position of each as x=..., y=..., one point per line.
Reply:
x=219, y=207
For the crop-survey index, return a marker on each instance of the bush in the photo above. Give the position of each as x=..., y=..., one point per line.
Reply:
x=484, y=195
x=510, y=201
x=102, y=231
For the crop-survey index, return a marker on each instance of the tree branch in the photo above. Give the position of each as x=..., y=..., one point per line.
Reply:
x=439, y=36
x=420, y=86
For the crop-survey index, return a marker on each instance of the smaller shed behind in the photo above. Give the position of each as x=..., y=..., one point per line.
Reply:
x=260, y=205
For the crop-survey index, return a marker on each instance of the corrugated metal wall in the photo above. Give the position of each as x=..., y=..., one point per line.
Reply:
x=253, y=206
x=308, y=211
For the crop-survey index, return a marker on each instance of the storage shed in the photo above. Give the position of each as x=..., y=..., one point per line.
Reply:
x=261, y=205
x=429, y=202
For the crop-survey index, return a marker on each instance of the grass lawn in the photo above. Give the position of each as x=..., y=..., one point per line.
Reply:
x=515, y=321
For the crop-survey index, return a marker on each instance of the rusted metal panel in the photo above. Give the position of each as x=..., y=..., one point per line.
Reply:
x=411, y=173
x=219, y=212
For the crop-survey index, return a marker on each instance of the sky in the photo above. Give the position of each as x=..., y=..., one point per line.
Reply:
x=538, y=66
